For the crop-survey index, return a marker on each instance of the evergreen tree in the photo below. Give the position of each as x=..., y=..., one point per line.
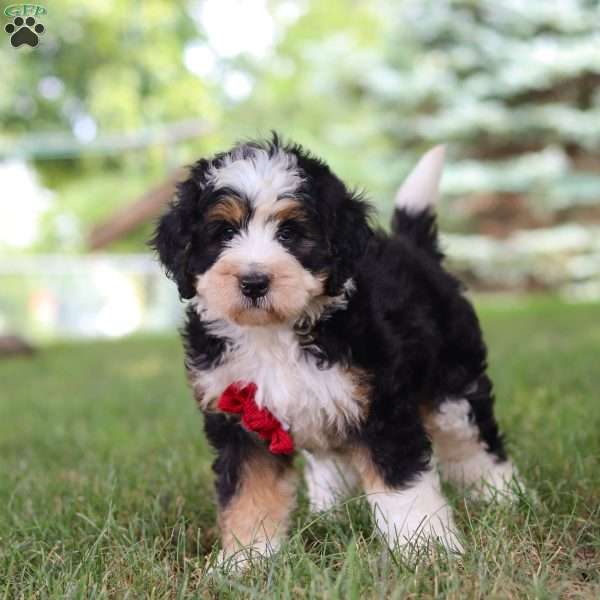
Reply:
x=512, y=86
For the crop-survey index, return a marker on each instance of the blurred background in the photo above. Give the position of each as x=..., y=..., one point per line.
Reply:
x=100, y=119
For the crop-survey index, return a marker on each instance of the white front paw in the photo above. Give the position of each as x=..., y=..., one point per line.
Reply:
x=422, y=530
x=416, y=516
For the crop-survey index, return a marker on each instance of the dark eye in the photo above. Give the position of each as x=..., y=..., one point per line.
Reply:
x=285, y=234
x=226, y=233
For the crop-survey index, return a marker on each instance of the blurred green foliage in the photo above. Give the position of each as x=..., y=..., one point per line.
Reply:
x=119, y=62
x=511, y=87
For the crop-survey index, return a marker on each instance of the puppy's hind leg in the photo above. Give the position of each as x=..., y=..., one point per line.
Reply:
x=467, y=443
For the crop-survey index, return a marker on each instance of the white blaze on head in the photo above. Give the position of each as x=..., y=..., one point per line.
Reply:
x=256, y=245
x=420, y=189
x=257, y=175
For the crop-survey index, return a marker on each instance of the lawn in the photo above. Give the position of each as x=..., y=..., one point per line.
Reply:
x=106, y=486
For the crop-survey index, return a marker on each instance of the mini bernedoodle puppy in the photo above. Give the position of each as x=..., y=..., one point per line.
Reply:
x=308, y=329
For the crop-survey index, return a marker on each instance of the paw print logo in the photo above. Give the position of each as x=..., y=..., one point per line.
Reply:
x=24, y=31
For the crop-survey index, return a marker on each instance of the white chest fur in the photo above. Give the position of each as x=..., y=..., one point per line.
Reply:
x=317, y=405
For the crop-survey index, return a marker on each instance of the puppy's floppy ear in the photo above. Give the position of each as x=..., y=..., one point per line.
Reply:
x=173, y=237
x=350, y=234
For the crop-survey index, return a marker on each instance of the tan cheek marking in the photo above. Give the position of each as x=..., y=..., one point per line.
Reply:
x=293, y=287
x=220, y=286
x=259, y=512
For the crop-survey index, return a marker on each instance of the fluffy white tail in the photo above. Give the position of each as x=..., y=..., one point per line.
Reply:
x=421, y=188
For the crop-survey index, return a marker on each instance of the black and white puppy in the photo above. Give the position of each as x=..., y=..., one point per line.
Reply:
x=358, y=342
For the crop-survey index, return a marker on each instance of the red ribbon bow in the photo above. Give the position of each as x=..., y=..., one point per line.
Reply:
x=238, y=398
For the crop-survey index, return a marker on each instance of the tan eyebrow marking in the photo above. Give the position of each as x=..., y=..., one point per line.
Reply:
x=287, y=210
x=228, y=209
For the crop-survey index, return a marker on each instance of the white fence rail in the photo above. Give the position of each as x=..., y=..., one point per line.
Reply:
x=56, y=296
x=47, y=297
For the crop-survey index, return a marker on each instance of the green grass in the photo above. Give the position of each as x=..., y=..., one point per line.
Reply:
x=105, y=481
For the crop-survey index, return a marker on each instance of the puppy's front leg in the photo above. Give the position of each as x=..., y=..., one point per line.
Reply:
x=256, y=490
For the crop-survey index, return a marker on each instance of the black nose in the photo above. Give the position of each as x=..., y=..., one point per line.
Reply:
x=254, y=285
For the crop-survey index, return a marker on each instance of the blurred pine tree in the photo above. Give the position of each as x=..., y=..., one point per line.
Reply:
x=512, y=86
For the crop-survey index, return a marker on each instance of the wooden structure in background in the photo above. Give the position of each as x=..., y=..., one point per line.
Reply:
x=147, y=207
